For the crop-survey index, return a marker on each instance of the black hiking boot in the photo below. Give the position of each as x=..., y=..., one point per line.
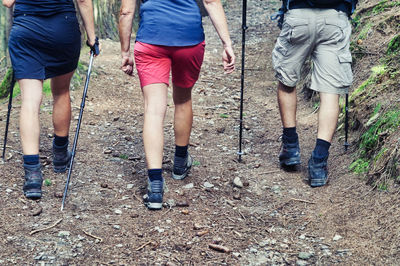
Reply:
x=61, y=158
x=33, y=181
x=181, y=167
x=290, y=154
x=318, y=171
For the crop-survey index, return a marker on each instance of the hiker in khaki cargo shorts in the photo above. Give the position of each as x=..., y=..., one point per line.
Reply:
x=321, y=30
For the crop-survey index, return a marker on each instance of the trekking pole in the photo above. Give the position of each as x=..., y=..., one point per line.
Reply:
x=8, y=114
x=244, y=28
x=77, y=129
x=346, y=122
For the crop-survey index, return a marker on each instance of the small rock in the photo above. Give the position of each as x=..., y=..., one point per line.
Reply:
x=117, y=211
x=305, y=255
x=276, y=189
x=8, y=190
x=188, y=186
x=197, y=226
x=208, y=185
x=221, y=130
x=253, y=250
x=337, y=237
x=58, y=194
x=117, y=227
x=246, y=183
x=129, y=186
x=182, y=203
x=186, y=212
x=237, y=196
x=108, y=151
x=158, y=229
x=36, y=211
x=104, y=185
x=237, y=182
x=128, y=138
x=64, y=233
x=236, y=254
x=302, y=237
x=116, y=118
x=217, y=240
x=119, y=245
x=301, y=262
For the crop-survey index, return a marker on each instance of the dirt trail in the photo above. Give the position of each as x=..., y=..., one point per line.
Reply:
x=275, y=218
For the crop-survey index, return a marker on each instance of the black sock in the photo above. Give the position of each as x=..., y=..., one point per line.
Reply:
x=155, y=174
x=31, y=159
x=321, y=150
x=60, y=141
x=181, y=151
x=290, y=134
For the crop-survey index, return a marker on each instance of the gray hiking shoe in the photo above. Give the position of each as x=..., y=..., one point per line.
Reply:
x=182, y=167
x=61, y=158
x=289, y=155
x=33, y=181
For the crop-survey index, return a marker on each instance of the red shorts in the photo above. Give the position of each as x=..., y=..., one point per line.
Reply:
x=154, y=62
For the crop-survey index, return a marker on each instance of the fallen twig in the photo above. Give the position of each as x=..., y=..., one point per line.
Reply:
x=269, y=172
x=219, y=248
x=142, y=246
x=46, y=228
x=301, y=200
x=95, y=237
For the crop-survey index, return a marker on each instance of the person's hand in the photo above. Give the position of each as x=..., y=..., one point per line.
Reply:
x=94, y=46
x=127, y=64
x=228, y=59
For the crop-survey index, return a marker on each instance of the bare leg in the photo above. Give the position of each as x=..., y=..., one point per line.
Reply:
x=183, y=117
x=328, y=116
x=287, y=100
x=31, y=93
x=155, y=107
x=61, y=104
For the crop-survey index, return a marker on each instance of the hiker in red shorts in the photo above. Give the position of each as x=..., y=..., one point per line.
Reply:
x=170, y=38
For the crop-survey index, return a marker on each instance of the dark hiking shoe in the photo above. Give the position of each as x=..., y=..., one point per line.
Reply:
x=33, y=181
x=181, y=167
x=290, y=154
x=61, y=158
x=154, y=198
x=318, y=172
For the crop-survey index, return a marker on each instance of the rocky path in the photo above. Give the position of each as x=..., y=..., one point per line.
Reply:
x=259, y=213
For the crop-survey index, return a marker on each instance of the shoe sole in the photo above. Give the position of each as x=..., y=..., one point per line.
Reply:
x=33, y=195
x=154, y=205
x=318, y=182
x=290, y=162
x=182, y=176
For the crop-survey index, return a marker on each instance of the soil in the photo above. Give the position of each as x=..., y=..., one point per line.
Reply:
x=274, y=219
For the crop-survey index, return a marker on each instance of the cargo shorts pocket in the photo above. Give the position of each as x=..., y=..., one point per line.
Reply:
x=297, y=30
x=335, y=29
x=345, y=60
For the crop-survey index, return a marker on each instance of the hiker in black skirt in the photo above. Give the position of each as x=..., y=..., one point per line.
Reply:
x=45, y=42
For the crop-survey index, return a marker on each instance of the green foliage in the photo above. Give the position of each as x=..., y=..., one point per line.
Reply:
x=47, y=182
x=196, y=163
x=364, y=31
x=383, y=5
x=360, y=166
x=223, y=115
x=394, y=45
x=46, y=87
x=377, y=72
x=387, y=122
x=124, y=156
x=6, y=83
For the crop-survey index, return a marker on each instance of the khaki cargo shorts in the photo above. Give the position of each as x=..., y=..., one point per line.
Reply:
x=323, y=34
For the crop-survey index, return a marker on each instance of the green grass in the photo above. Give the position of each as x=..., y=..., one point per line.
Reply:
x=394, y=45
x=47, y=182
x=360, y=166
x=385, y=4
x=196, y=163
x=364, y=31
x=223, y=115
x=124, y=156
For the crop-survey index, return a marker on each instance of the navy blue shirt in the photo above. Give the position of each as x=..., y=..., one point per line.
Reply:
x=345, y=6
x=170, y=23
x=42, y=7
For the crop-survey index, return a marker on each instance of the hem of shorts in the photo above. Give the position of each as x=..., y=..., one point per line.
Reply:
x=285, y=83
x=342, y=90
x=62, y=73
x=149, y=83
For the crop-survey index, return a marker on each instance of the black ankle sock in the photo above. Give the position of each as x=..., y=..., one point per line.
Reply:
x=31, y=159
x=60, y=141
x=155, y=174
x=181, y=151
x=321, y=150
x=290, y=134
